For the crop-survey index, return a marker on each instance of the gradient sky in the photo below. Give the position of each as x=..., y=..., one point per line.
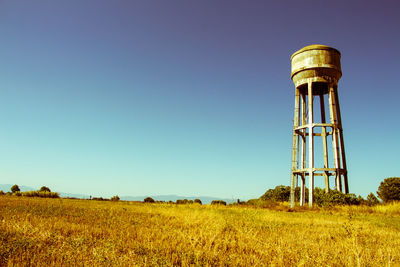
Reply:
x=186, y=97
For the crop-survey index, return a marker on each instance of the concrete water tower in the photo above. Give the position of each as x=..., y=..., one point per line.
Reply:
x=315, y=73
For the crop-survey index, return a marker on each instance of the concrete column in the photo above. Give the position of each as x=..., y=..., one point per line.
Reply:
x=310, y=144
x=302, y=190
x=303, y=148
x=335, y=143
x=324, y=144
x=342, y=151
x=295, y=147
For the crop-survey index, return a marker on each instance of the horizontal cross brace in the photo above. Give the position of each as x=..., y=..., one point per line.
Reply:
x=332, y=125
x=318, y=170
x=314, y=134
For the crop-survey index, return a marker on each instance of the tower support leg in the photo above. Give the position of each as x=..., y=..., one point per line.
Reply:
x=294, y=148
x=310, y=144
x=324, y=144
x=342, y=151
x=335, y=143
x=302, y=191
x=303, y=120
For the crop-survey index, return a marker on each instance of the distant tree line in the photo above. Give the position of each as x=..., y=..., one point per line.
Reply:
x=114, y=198
x=179, y=201
x=388, y=191
x=44, y=191
x=184, y=201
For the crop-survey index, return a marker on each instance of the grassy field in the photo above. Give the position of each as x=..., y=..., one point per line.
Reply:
x=67, y=232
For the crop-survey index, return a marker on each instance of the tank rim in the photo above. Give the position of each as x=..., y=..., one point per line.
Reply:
x=314, y=47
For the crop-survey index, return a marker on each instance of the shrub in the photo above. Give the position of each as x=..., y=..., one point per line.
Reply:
x=184, y=201
x=44, y=194
x=389, y=189
x=372, y=200
x=15, y=188
x=281, y=193
x=260, y=203
x=49, y=194
x=297, y=193
x=1, y=192
x=115, y=198
x=100, y=199
x=198, y=201
x=218, y=202
x=361, y=201
x=335, y=197
x=149, y=200
x=45, y=189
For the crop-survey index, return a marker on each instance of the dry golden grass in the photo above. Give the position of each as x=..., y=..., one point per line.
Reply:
x=65, y=232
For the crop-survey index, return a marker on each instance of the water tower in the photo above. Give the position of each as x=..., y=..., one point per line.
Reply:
x=315, y=73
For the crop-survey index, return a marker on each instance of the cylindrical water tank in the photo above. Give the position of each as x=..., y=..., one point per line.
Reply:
x=319, y=62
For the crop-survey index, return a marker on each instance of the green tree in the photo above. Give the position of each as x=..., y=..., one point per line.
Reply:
x=15, y=189
x=149, y=200
x=45, y=189
x=389, y=189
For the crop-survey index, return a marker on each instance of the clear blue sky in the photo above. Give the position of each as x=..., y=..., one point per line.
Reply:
x=186, y=97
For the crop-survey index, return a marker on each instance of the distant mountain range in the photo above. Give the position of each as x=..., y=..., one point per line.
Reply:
x=204, y=199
